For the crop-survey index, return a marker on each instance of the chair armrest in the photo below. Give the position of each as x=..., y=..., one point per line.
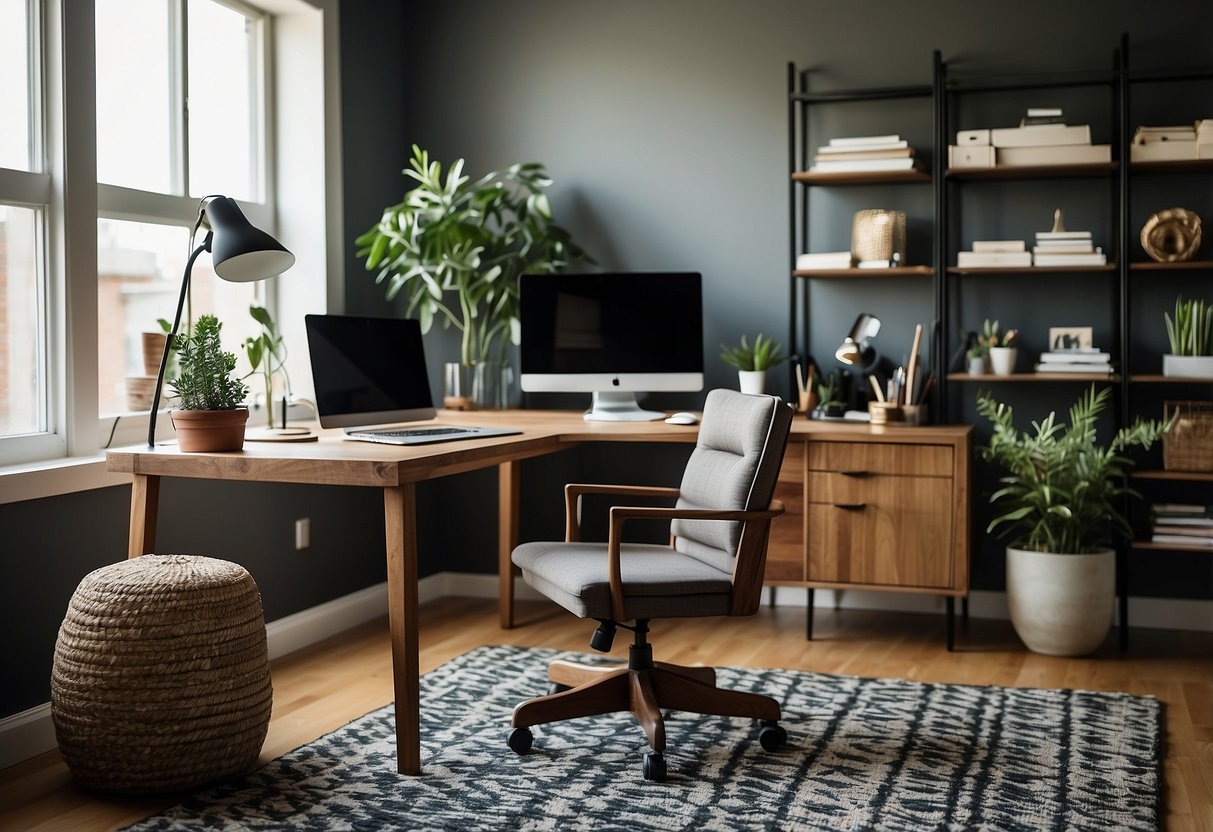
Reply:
x=621, y=513
x=573, y=492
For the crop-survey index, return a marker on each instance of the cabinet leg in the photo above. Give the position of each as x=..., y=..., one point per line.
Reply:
x=1122, y=597
x=951, y=623
x=771, y=597
x=964, y=609
x=808, y=618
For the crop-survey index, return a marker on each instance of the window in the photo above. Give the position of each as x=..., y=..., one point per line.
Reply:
x=179, y=130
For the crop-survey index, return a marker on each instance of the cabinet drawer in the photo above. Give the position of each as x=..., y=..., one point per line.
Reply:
x=860, y=458
x=880, y=530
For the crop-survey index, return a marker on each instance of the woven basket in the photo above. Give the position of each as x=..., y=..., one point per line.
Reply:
x=1188, y=445
x=877, y=234
x=161, y=680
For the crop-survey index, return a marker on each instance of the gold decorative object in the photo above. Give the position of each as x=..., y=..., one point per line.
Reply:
x=1172, y=235
x=877, y=234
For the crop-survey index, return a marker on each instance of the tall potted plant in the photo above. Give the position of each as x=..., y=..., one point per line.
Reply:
x=211, y=415
x=456, y=247
x=1191, y=337
x=1059, y=497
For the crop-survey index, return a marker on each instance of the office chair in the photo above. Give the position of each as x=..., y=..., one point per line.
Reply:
x=712, y=566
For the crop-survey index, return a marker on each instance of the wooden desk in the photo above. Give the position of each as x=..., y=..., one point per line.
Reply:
x=396, y=470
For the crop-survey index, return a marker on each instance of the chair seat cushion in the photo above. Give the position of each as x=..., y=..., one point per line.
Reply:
x=659, y=582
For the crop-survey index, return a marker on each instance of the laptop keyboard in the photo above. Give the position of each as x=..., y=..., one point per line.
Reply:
x=412, y=432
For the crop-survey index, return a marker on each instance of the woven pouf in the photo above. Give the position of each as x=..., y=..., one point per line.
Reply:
x=161, y=680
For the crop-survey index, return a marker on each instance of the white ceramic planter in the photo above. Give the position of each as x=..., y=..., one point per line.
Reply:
x=977, y=365
x=1188, y=366
x=1002, y=360
x=1061, y=605
x=752, y=381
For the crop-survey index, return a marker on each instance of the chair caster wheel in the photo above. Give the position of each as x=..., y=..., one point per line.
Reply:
x=520, y=740
x=556, y=687
x=772, y=736
x=654, y=766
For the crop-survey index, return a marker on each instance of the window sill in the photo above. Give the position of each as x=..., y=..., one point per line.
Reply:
x=51, y=478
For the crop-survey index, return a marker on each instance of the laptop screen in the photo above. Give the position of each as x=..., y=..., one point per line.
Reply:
x=368, y=371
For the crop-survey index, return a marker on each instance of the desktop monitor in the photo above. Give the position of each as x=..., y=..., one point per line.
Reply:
x=612, y=335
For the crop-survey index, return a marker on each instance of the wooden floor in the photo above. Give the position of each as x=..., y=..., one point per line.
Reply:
x=318, y=689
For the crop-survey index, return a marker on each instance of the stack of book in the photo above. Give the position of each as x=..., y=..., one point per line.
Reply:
x=1182, y=524
x=1066, y=248
x=994, y=254
x=824, y=260
x=1075, y=361
x=1168, y=144
x=860, y=154
x=1042, y=138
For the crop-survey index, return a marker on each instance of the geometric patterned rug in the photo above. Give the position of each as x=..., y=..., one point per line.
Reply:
x=861, y=754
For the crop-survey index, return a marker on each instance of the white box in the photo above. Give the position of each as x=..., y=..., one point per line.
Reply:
x=1044, y=135
x=970, y=156
x=967, y=137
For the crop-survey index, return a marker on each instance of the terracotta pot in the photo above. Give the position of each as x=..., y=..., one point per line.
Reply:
x=153, y=351
x=1061, y=605
x=209, y=431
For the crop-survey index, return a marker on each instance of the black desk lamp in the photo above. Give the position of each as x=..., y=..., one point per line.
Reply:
x=857, y=349
x=240, y=253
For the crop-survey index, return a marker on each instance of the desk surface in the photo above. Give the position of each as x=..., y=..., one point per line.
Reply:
x=336, y=461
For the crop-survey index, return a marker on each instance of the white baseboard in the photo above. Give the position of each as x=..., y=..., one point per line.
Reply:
x=31, y=732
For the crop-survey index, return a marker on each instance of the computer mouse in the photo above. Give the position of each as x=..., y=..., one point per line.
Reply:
x=682, y=418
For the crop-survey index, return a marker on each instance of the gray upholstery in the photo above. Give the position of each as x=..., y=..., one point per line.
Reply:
x=734, y=466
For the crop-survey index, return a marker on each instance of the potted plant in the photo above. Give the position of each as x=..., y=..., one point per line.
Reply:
x=456, y=247
x=828, y=392
x=211, y=415
x=1060, y=497
x=1000, y=346
x=752, y=362
x=977, y=354
x=267, y=355
x=1191, y=337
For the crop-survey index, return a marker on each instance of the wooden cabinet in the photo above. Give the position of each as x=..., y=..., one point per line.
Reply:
x=884, y=508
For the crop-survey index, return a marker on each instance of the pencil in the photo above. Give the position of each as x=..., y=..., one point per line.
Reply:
x=876, y=388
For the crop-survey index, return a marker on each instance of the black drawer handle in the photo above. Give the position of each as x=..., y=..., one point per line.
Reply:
x=854, y=473
x=851, y=506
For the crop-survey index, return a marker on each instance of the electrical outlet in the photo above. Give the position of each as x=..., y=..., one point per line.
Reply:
x=303, y=533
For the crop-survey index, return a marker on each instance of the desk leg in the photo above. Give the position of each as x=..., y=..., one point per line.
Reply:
x=508, y=490
x=145, y=500
x=400, y=528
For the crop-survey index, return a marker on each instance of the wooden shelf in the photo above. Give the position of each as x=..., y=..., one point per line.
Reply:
x=875, y=177
x=1021, y=377
x=1176, y=166
x=1150, y=378
x=1185, y=266
x=1032, y=171
x=1168, y=547
x=901, y=271
x=1110, y=267
x=1178, y=476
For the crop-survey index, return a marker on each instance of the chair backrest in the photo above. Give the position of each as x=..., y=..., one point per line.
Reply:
x=734, y=466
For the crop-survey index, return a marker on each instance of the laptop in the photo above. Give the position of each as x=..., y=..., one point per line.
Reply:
x=370, y=377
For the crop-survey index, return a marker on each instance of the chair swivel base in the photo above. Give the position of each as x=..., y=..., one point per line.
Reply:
x=645, y=693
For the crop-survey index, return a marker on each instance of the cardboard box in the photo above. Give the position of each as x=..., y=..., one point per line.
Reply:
x=970, y=156
x=968, y=137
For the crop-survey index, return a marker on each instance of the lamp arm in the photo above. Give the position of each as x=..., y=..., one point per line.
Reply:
x=168, y=344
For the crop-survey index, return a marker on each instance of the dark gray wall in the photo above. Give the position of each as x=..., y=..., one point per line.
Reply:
x=664, y=126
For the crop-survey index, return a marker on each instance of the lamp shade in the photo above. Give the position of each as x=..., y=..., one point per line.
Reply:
x=856, y=347
x=240, y=252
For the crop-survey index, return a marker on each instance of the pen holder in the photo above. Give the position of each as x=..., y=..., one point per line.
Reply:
x=915, y=414
x=808, y=401
x=882, y=413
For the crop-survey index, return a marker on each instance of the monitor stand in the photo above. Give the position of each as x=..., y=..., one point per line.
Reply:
x=616, y=406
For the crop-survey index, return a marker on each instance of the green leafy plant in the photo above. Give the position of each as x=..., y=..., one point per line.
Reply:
x=1061, y=489
x=456, y=247
x=205, y=380
x=1191, y=332
x=828, y=391
x=763, y=355
x=267, y=355
x=992, y=336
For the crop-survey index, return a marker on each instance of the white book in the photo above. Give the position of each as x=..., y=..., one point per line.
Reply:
x=1190, y=521
x=1065, y=248
x=860, y=165
x=1071, y=154
x=876, y=264
x=853, y=141
x=1041, y=134
x=1097, y=258
x=1162, y=526
x=1074, y=357
x=1164, y=151
x=998, y=245
x=1058, y=367
x=1180, y=540
x=1042, y=236
x=824, y=260
x=993, y=259
x=1043, y=112
x=901, y=148
x=1179, y=508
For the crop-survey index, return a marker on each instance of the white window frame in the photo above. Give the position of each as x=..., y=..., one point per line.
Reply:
x=71, y=200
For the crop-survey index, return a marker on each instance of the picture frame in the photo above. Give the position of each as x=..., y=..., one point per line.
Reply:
x=1070, y=337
